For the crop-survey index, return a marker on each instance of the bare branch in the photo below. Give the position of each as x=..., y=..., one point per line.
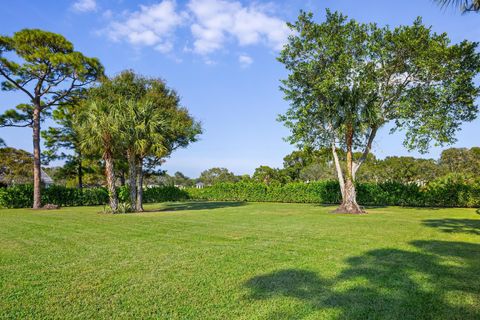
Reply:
x=366, y=151
x=16, y=84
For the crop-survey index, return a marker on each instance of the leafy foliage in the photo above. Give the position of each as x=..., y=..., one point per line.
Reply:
x=217, y=175
x=21, y=196
x=348, y=79
x=453, y=191
x=50, y=72
x=15, y=166
x=463, y=5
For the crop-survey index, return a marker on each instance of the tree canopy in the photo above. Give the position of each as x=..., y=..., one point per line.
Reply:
x=48, y=70
x=349, y=79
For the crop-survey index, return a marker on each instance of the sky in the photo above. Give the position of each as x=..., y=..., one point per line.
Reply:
x=220, y=56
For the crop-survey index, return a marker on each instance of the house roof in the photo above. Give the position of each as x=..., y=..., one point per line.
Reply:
x=46, y=178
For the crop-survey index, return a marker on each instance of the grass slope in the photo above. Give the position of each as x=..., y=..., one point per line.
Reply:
x=240, y=261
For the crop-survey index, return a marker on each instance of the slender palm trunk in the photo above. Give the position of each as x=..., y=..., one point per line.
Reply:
x=37, y=169
x=80, y=171
x=109, y=173
x=132, y=178
x=349, y=195
x=139, y=206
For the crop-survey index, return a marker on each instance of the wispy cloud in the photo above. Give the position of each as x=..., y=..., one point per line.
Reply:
x=84, y=5
x=150, y=26
x=245, y=60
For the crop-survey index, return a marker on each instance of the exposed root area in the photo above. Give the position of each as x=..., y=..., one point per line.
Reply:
x=349, y=209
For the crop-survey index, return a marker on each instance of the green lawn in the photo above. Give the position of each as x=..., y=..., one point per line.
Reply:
x=240, y=261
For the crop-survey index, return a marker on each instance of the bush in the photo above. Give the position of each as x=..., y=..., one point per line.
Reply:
x=21, y=196
x=17, y=196
x=444, y=192
x=161, y=194
x=449, y=191
x=317, y=192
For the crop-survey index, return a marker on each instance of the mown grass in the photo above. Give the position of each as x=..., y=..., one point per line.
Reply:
x=240, y=261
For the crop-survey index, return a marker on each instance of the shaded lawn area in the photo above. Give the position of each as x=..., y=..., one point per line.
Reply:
x=219, y=260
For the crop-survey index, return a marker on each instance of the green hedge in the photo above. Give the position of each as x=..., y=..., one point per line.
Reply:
x=444, y=192
x=318, y=192
x=449, y=191
x=21, y=196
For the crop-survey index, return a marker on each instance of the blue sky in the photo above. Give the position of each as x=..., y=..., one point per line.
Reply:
x=220, y=56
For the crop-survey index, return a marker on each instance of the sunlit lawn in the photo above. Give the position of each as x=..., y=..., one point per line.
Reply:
x=240, y=261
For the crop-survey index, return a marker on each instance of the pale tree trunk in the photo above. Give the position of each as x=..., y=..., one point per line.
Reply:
x=132, y=178
x=349, y=194
x=109, y=173
x=338, y=169
x=139, y=206
x=37, y=169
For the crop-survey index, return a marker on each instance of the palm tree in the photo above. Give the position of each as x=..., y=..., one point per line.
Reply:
x=141, y=134
x=98, y=131
x=152, y=127
x=464, y=5
x=145, y=128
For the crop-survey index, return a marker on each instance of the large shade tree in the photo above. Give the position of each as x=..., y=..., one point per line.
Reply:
x=45, y=67
x=347, y=80
x=15, y=166
x=216, y=175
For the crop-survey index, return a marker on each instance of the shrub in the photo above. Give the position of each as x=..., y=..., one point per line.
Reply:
x=161, y=194
x=449, y=191
x=21, y=196
x=444, y=192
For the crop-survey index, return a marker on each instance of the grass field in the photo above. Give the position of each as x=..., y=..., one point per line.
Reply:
x=240, y=261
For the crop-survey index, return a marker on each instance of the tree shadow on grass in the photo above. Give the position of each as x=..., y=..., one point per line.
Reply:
x=385, y=284
x=193, y=205
x=470, y=226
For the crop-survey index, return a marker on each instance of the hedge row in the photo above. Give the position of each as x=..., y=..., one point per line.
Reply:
x=317, y=192
x=21, y=196
x=445, y=192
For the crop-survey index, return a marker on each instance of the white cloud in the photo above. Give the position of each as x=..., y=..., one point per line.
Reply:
x=150, y=26
x=217, y=20
x=245, y=60
x=85, y=5
x=213, y=25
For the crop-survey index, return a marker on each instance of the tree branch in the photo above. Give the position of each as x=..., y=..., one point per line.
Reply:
x=368, y=147
x=16, y=84
x=338, y=168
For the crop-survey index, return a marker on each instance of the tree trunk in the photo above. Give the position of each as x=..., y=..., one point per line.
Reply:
x=349, y=194
x=132, y=179
x=80, y=171
x=37, y=169
x=139, y=206
x=112, y=193
x=338, y=168
x=349, y=200
x=122, y=178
